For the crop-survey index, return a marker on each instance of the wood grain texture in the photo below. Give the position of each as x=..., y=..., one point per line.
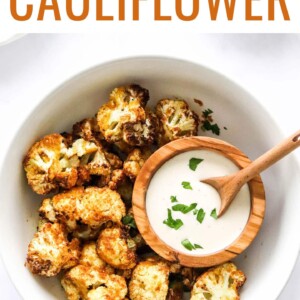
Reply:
x=154, y=163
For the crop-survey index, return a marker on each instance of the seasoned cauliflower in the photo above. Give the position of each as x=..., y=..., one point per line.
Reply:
x=135, y=160
x=86, y=129
x=84, y=210
x=143, y=132
x=124, y=118
x=116, y=248
x=90, y=257
x=50, y=251
x=219, y=283
x=45, y=168
x=52, y=163
x=149, y=281
x=115, y=179
x=176, y=119
x=91, y=283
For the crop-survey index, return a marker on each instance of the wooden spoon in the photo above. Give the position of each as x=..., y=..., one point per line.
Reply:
x=228, y=186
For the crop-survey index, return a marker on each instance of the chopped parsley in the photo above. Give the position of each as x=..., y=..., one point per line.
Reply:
x=194, y=162
x=184, y=208
x=129, y=220
x=175, y=224
x=186, y=185
x=214, y=214
x=200, y=215
x=207, y=122
x=207, y=112
x=208, y=126
x=173, y=199
x=189, y=246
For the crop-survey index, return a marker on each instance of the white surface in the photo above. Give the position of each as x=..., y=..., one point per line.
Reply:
x=267, y=65
x=213, y=235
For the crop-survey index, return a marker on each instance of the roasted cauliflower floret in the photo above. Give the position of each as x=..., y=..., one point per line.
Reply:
x=50, y=164
x=135, y=160
x=86, y=129
x=90, y=257
x=176, y=120
x=115, y=247
x=45, y=166
x=91, y=283
x=50, y=251
x=219, y=283
x=83, y=211
x=124, y=118
x=143, y=132
x=149, y=281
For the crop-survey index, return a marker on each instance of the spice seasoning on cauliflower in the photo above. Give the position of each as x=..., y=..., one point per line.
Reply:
x=42, y=165
x=135, y=160
x=176, y=119
x=115, y=247
x=79, y=207
x=50, y=251
x=91, y=283
x=124, y=118
x=89, y=257
x=50, y=164
x=149, y=281
x=221, y=282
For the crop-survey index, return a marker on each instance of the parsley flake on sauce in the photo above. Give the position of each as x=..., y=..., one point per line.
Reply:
x=200, y=215
x=194, y=162
x=173, y=199
x=184, y=208
x=214, y=214
x=175, y=224
x=186, y=185
x=189, y=246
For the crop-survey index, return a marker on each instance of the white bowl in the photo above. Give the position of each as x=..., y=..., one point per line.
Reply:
x=267, y=263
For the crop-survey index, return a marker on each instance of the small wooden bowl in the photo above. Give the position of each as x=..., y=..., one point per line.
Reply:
x=157, y=159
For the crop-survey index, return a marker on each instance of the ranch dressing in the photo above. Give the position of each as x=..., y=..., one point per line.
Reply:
x=176, y=181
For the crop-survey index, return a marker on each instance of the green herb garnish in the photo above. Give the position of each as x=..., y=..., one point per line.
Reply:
x=208, y=126
x=214, y=214
x=184, y=208
x=175, y=224
x=129, y=220
x=189, y=246
x=207, y=112
x=200, y=215
x=194, y=162
x=186, y=185
x=173, y=199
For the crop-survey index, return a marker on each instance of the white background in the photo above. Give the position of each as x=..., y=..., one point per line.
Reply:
x=268, y=66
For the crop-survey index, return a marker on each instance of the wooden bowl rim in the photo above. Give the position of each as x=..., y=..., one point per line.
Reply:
x=156, y=160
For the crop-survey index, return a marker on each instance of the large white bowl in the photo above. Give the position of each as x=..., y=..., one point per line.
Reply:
x=267, y=262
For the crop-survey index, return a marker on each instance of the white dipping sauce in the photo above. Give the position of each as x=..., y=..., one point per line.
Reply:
x=212, y=234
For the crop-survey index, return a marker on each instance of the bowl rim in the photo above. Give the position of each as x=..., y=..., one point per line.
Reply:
x=106, y=63
x=161, y=156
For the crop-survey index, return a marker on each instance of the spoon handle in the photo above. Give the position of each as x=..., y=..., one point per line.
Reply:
x=268, y=158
